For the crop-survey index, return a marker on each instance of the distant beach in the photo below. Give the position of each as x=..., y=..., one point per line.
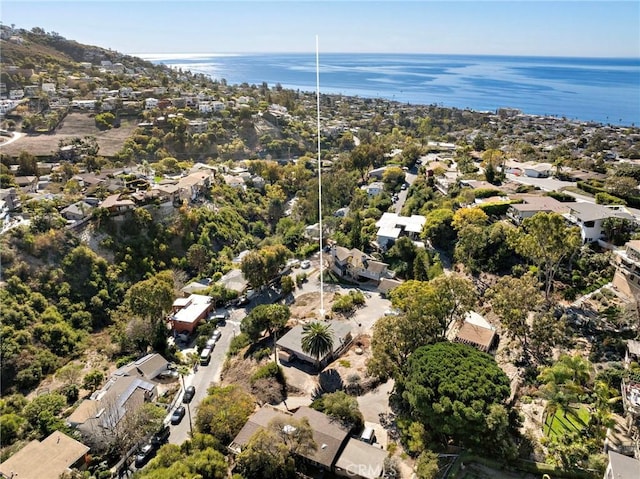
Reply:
x=604, y=90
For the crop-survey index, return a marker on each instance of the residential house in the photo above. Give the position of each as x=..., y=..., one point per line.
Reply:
x=147, y=367
x=477, y=332
x=10, y=199
x=49, y=88
x=17, y=94
x=374, y=189
x=168, y=192
x=632, y=353
x=378, y=173
x=386, y=285
x=117, y=206
x=234, y=181
x=627, y=276
x=50, y=458
x=357, y=265
x=100, y=418
x=622, y=467
x=150, y=103
x=77, y=211
x=192, y=186
x=290, y=345
x=537, y=170
x=360, y=460
x=189, y=312
x=197, y=126
x=28, y=184
x=589, y=217
x=335, y=450
x=234, y=280
x=445, y=182
x=392, y=226
x=532, y=204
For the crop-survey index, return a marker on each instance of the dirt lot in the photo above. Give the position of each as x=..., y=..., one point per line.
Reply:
x=73, y=126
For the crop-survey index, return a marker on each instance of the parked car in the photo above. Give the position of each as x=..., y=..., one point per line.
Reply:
x=205, y=359
x=188, y=394
x=210, y=344
x=161, y=437
x=305, y=264
x=177, y=415
x=216, y=335
x=168, y=374
x=146, y=453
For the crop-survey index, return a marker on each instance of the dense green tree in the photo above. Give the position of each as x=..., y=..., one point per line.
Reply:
x=272, y=452
x=43, y=413
x=93, y=380
x=339, y=405
x=317, y=340
x=438, y=229
x=427, y=464
x=513, y=300
x=458, y=393
x=223, y=413
x=27, y=164
x=439, y=302
x=151, y=298
x=546, y=240
x=265, y=317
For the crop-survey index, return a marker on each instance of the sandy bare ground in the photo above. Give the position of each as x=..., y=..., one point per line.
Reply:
x=74, y=125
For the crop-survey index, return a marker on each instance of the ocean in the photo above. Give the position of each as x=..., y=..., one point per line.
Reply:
x=604, y=90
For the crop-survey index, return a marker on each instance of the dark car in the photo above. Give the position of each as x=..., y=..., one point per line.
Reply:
x=161, y=437
x=177, y=415
x=188, y=394
x=146, y=453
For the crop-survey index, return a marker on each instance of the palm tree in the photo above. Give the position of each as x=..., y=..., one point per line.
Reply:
x=317, y=340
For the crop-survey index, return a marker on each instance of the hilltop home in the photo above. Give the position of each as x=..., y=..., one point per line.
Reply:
x=196, y=184
x=100, y=418
x=627, y=276
x=189, y=312
x=589, y=218
x=50, y=458
x=532, y=204
x=354, y=264
x=290, y=345
x=335, y=450
x=392, y=226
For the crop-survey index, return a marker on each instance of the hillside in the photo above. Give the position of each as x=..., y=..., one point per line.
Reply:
x=28, y=49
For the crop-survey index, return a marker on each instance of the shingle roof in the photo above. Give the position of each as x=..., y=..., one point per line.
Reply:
x=593, y=212
x=623, y=467
x=363, y=459
x=328, y=435
x=44, y=460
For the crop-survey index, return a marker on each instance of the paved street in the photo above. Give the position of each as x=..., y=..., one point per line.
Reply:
x=204, y=377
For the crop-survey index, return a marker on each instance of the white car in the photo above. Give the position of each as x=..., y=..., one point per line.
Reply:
x=305, y=264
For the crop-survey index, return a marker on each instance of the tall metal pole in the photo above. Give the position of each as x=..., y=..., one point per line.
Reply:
x=319, y=180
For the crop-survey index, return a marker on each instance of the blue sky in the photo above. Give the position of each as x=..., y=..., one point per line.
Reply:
x=571, y=28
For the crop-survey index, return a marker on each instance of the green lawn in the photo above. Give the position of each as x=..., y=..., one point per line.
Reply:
x=566, y=421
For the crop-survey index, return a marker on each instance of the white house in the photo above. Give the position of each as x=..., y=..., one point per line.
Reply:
x=49, y=87
x=150, y=103
x=538, y=170
x=391, y=226
x=374, y=189
x=589, y=218
x=217, y=105
x=205, y=107
x=16, y=94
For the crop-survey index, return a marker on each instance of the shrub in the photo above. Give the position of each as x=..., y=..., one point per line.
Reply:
x=607, y=199
x=261, y=354
x=238, y=343
x=269, y=371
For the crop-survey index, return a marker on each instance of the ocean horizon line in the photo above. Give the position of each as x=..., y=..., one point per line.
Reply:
x=194, y=55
